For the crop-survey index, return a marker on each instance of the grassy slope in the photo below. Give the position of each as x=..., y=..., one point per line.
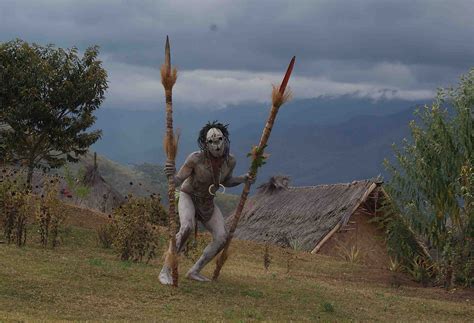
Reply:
x=80, y=281
x=145, y=179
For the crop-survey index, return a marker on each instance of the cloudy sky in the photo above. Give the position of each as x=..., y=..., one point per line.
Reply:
x=228, y=52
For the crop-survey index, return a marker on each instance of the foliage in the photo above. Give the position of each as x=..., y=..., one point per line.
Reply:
x=105, y=235
x=296, y=244
x=327, y=307
x=135, y=233
x=350, y=253
x=267, y=259
x=430, y=220
x=258, y=158
x=194, y=247
x=48, y=96
x=15, y=207
x=49, y=216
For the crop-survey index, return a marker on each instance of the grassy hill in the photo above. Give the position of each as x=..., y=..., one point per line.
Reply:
x=81, y=281
x=140, y=180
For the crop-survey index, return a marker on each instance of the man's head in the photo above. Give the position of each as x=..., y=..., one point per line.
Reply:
x=214, y=138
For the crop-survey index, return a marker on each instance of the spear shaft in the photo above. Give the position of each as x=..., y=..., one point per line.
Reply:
x=168, y=79
x=278, y=98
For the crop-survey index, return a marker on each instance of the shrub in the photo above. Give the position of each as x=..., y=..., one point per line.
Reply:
x=105, y=235
x=135, y=235
x=430, y=217
x=49, y=216
x=15, y=207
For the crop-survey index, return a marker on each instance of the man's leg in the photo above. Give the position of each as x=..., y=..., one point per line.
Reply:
x=187, y=221
x=216, y=225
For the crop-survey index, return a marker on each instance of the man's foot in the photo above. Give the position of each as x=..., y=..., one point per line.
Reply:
x=197, y=276
x=165, y=276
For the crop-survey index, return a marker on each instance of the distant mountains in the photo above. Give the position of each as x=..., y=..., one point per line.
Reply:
x=325, y=140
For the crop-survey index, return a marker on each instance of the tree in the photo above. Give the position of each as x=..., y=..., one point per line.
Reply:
x=432, y=187
x=47, y=98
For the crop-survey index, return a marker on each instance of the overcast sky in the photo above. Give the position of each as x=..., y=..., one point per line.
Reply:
x=228, y=52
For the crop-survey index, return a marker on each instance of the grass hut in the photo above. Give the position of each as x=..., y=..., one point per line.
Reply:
x=100, y=196
x=328, y=219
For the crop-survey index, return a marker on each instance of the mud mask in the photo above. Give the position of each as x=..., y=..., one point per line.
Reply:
x=215, y=142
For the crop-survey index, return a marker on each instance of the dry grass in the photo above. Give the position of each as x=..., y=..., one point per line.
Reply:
x=81, y=281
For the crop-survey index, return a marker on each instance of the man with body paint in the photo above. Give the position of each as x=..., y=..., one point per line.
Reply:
x=200, y=177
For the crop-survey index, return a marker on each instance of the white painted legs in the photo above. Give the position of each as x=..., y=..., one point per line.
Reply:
x=216, y=227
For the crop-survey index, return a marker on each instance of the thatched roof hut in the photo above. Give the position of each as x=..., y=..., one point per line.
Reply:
x=101, y=196
x=319, y=218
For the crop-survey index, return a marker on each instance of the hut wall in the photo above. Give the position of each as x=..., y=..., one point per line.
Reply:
x=363, y=236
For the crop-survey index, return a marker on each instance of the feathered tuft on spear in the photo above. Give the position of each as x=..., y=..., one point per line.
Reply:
x=279, y=96
x=170, y=144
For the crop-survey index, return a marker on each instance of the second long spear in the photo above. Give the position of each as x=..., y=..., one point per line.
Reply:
x=279, y=97
x=170, y=143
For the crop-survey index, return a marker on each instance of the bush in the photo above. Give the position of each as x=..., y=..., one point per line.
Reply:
x=105, y=235
x=430, y=217
x=49, y=216
x=134, y=230
x=15, y=207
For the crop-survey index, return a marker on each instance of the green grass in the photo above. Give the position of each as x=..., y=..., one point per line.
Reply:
x=81, y=281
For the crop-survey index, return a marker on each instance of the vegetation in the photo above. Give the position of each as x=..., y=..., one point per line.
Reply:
x=48, y=99
x=430, y=226
x=15, y=207
x=58, y=284
x=134, y=229
x=48, y=215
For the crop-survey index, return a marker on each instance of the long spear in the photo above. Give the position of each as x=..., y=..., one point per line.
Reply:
x=170, y=143
x=279, y=97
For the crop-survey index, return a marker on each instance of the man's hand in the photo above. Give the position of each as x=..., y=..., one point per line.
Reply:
x=248, y=178
x=169, y=169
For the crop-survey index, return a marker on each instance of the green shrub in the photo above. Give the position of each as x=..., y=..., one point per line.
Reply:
x=135, y=235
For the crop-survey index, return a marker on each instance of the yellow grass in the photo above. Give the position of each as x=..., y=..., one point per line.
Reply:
x=81, y=281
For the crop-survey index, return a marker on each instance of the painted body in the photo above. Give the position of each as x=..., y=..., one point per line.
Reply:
x=200, y=174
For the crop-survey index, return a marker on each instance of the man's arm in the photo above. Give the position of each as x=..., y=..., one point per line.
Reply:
x=231, y=181
x=185, y=171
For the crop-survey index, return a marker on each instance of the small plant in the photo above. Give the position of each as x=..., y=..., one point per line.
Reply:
x=351, y=254
x=327, y=307
x=252, y=293
x=296, y=244
x=289, y=261
x=106, y=234
x=48, y=215
x=267, y=260
x=421, y=270
x=394, y=265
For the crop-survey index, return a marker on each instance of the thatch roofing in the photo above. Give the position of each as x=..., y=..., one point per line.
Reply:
x=102, y=196
x=300, y=215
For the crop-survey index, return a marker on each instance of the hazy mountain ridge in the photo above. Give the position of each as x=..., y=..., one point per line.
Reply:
x=314, y=141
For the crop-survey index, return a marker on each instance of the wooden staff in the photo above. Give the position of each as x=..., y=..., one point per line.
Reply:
x=279, y=97
x=170, y=143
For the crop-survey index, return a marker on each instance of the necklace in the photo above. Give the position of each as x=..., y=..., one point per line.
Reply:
x=216, y=164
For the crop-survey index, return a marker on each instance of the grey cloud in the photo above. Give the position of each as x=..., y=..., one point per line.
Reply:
x=406, y=44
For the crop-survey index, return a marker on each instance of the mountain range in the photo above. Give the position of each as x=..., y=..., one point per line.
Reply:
x=314, y=141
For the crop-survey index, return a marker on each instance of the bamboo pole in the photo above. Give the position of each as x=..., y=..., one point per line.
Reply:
x=279, y=97
x=170, y=143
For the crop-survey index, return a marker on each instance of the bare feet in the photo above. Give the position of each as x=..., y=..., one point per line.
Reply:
x=197, y=276
x=165, y=276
